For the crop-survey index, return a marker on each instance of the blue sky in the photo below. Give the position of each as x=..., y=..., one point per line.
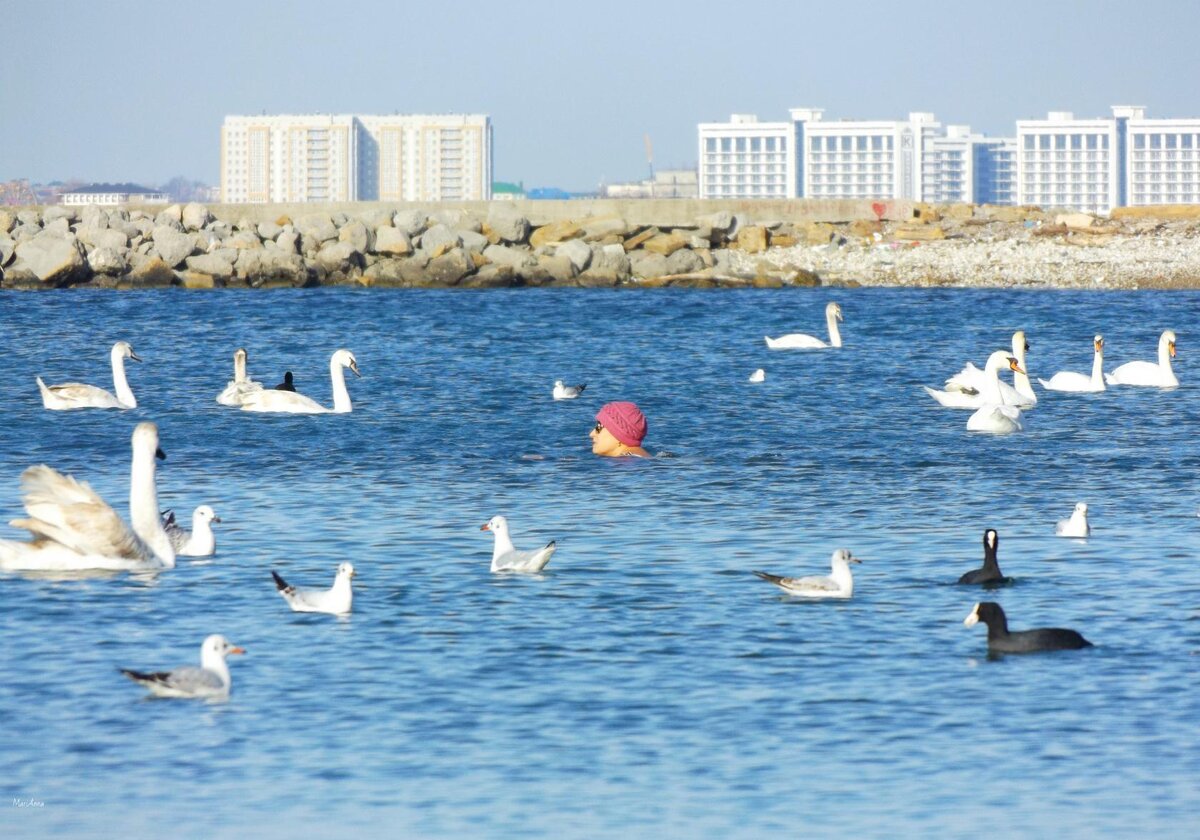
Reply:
x=136, y=91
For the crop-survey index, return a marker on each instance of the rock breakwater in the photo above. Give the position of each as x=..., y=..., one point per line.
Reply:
x=959, y=245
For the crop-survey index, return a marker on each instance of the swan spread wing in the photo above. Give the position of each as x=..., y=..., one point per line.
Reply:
x=236, y=392
x=70, y=522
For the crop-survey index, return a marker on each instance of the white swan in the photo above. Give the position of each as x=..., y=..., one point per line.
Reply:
x=838, y=584
x=1077, y=525
x=971, y=379
x=506, y=558
x=75, y=530
x=292, y=403
x=1148, y=373
x=992, y=416
x=70, y=395
x=210, y=681
x=241, y=385
x=337, y=600
x=986, y=392
x=800, y=341
x=1069, y=380
x=200, y=541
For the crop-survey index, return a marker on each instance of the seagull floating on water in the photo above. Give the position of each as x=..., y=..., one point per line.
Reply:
x=1077, y=525
x=211, y=681
x=838, y=584
x=337, y=600
x=567, y=392
x=759, y=375
x=200, y=541
x=505, y=558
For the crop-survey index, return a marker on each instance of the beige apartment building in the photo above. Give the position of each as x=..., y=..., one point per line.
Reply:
x=347, y=157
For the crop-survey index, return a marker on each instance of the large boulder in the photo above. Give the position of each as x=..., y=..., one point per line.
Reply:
x=174, y=213
x=438, y=240
x=358, y=235
x=56, y=212
x=195, y=216
x=449, y=268
x=55, y=260
x=243, y=240
x=110, y=261
x=507, y=222
x=214, y=265
x=559, y=269
x=317, y=225
x=647, y=264
x=577, y=251
x=555, y=232
x=456, y=220
x=273, y=267
x=91, y=216
x=7, y=248
x=288, y=242
x=684, y=261
x=611, y=258
x=491, y=277
x=603, y=227
x=504, y=255
x=58, y=226
x=7, y=220
x=411, y=222
x=339, y=257
x=752, y=239
x=269, y=230
x=172, y=245
x=392, y=241
x=720, y=222
x=385, y=272
x=148, y=273
x=665, y=244
x=473, y=242
x=103, y=237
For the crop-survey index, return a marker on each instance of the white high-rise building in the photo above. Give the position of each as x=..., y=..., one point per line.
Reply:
x=863, y=159
x=1064, y=162
x=334, y=158
x=744, y=158
x=1163, y=159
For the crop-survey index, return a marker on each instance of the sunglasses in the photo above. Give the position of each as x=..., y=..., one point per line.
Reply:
x=599, y=427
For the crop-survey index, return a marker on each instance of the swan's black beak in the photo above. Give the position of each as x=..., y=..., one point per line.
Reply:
x=354, y=367
x=134, y=357
x=159, y=454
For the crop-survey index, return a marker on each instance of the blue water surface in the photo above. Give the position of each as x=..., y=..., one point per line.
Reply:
x=645, y=685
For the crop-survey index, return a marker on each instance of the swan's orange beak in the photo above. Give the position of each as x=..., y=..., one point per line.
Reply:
x=1099, y=345
x=1171, y=347
x=1012, y=363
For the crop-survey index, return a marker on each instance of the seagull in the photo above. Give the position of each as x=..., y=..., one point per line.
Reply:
x=505, y=558
x=211, y=680
x=1077, y=525
x=287, y=383
x=200, y=541
x=335, y=600
x=839, y=584
x=759, y=375
x=567, y=392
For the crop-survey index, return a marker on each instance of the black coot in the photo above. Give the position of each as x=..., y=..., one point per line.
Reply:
x=1000, y=640
x=286, y=384
x=990, y=572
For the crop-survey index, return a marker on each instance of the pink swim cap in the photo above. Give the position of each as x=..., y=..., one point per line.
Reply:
x=625, y=421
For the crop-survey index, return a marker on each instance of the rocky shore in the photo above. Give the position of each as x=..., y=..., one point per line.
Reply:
x=920, y=245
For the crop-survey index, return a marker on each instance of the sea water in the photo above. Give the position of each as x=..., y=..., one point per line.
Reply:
x=646, y=684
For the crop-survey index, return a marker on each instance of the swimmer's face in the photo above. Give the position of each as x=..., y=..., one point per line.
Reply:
x=603, y=442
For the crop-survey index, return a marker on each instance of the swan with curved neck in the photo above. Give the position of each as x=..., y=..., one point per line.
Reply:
x=73, y=529
x=994, y=415
x=290, y=402
x=987, y=390
x=1069, y=380
x=801, y=341
x=1148, y=373
x=971, y=379
x=72, y=395
x=241, y=385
